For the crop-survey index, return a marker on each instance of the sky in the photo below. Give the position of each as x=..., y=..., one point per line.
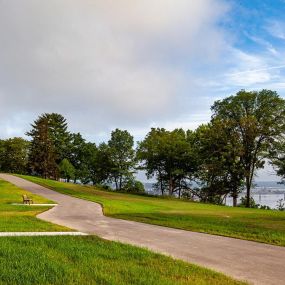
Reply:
x=134, y=64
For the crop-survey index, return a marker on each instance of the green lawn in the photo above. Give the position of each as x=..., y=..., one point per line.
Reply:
x=91, y=260
x=81, y=260
x=22, y=218
x=266, y=226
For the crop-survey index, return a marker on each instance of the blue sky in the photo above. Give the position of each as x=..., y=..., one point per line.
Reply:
x=134, y=64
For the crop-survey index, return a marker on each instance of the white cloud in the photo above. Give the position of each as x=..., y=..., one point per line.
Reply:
x=276, y=29
x=252, y=71
x=104, y=63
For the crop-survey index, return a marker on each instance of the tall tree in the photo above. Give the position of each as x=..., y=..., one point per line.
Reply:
x=77, y=156
x=42, y=154
x=122, y=157
x=57, y=127
x=259, y=119
x=220, y=171
x=100, y=164
x=168, y=156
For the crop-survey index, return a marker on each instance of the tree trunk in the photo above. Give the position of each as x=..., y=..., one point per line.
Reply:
x=161, y=187
x=170, y=186
x=248, y=184
x=116, y=183
x=235, y=200
x=120, y=183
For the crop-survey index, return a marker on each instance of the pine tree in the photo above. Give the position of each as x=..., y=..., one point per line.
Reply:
x=50, y=141
x=42, y=150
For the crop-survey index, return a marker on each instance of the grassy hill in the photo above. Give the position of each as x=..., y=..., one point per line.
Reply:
x=266, y=226
x=82, y=259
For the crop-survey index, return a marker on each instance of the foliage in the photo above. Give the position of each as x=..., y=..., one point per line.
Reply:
x=60, y=137
x=14, y=155
x=76, y=154
x=220, y=171
x=168, y=156
x=66, y=169
x=252, y=204
x=280, y=205
x=134, y=186
x=259, y=119
x=42, y=153
x=121, y=157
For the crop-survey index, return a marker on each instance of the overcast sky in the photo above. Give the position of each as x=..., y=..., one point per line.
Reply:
x=134, y=64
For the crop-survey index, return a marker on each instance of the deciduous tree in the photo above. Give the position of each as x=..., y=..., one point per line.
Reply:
x=259, y=119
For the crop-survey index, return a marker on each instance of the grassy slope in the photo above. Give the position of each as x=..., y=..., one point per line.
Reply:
x=252, y=224
x=81, y=260
x=90, y=260
x=21, y=218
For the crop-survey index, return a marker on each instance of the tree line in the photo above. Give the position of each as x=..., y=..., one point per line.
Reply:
x=216, y=160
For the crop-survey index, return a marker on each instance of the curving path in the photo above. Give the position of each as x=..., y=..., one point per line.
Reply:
x=255, y=262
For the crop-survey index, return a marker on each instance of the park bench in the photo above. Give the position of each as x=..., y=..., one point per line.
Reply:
x=27, y=200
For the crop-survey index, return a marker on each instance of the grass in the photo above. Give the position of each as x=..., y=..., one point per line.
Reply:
x=81, y=260
x=20, y=218
x=91, y=260
x=265, y=226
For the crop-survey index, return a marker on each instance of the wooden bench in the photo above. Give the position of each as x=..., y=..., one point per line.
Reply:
x=27, y=200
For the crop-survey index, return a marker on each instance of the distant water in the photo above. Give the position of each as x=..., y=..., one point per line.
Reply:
x=262, y=199
x=265, y=193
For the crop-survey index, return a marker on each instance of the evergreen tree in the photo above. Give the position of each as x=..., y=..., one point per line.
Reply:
x=42, y=154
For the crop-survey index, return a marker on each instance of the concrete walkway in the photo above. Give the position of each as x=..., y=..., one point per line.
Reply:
x=255, y=262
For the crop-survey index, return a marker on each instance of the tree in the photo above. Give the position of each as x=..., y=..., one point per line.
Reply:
x=57, y=127
x=77, y=156
x=42, y=153
x=101, y=165
x=49, y=145
x=122, y=156
x=168, y=156
x=220, y=170
x=14, y=155
x=259, y=119
x=66, y=169
x=134, y=186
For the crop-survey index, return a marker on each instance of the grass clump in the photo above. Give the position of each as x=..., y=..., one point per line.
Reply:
x=91, y=260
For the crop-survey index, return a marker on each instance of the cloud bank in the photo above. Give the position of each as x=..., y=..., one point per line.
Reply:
x=106, y=63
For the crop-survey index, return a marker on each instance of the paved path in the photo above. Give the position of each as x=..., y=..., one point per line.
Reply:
x=255, y=262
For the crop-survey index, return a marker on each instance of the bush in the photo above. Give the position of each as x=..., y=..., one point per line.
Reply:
x=280, y=205
x=134, y=186
x=252, y=203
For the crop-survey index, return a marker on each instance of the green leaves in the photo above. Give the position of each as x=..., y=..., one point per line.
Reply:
x=258, y=120
x=169, y=157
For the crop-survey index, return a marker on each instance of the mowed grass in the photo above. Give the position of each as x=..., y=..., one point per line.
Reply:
x=91, y=260
x=14, y=218
x=266, y=226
